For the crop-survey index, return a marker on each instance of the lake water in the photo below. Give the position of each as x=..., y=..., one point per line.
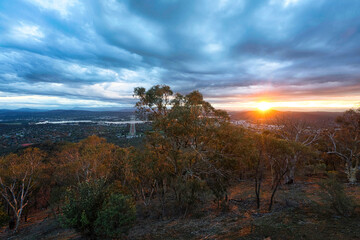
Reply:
x=89, y=121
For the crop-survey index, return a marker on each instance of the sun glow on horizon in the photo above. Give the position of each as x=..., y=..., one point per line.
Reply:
x=330, y=105
x=263, y=106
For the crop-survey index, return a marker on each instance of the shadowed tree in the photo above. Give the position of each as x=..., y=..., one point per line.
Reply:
x=299, y=131
x=345, y=142
x=256, y=161
x=277, y=153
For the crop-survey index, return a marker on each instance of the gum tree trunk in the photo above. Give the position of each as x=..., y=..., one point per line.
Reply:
x=290, y=176
x=351, y=173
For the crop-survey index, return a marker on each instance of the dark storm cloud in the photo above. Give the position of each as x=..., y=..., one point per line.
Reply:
x=100, y=50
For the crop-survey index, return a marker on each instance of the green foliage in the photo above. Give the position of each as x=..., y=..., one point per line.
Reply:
x=334, y=196
x=56, y=195
x=190, y=191
x=116, y=216
x=344, y=142
x=82, y=205
x=315, y=169
x=90, y=209
x=154, y=101
x=186, y=152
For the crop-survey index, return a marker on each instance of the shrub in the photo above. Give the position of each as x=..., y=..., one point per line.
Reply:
x=315, y=169
x=333, y=194
x=116, y=216
x=190, y=191
x=82, y=205
x=320, y=168
x=91, y=209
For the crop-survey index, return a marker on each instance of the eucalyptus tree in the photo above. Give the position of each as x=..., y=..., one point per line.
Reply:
x=299, y=131
x=345, y=142
x=183, y=126
x=277, y=153
x=18, y=176
x=91, y=158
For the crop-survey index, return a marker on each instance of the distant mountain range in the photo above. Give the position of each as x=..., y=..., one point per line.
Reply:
x=74, y=114
x=23, y=110
x=31, y=110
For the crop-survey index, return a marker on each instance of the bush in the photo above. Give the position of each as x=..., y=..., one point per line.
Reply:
x=315, y=169
x=91, y=209
x=190, y=191
x=333, y=194
x=82, y=205
x=116, y=216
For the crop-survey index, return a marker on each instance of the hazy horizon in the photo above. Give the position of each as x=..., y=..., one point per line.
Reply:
x=125, y=109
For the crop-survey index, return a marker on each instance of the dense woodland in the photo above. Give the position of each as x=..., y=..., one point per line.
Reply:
x=191, y=158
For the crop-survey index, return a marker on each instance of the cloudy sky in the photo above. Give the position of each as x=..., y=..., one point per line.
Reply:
x=296, y=54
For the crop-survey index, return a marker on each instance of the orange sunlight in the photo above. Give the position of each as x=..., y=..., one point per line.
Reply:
x=263, y=106
x=337, y=105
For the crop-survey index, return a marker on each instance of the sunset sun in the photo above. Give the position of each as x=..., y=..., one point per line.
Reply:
x=263, y=106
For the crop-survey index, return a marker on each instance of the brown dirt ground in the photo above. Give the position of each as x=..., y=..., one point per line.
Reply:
x=40, y=225
x=297, y=214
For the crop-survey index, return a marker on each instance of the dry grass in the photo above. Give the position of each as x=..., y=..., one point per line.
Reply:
x=296, y=215
x=41, y=225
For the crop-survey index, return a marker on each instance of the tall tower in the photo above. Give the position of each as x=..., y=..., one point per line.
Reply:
x=132, y=131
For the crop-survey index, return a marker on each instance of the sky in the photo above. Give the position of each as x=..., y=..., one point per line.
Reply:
x=295, y=54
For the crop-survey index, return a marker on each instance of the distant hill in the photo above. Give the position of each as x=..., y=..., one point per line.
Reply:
x=104, y=109
x=22, y=110
x=34, y=115
x=273, y=114
x=107, y=109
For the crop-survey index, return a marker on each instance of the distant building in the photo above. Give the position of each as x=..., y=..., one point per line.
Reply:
x=132, y=131
x=26, y=144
